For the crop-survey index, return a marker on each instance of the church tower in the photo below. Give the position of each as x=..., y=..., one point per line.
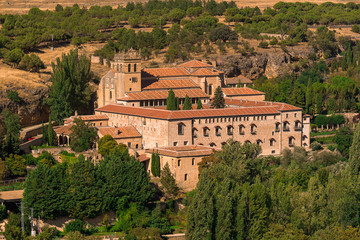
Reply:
x=127, y=76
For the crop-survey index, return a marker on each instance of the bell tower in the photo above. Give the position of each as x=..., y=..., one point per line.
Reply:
x=127, y=68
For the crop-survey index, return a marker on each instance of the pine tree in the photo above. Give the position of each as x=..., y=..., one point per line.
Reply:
x=168, y=181
x=187, y=103
x=155, y=164
x=171, y=101
x=45, y=134
x=354, y=156
x=12, y=129
x=309, y=97
x=218, y=100
x=199, y=104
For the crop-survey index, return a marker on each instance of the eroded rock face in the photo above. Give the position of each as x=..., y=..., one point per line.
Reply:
x=32, y=109
x=268, y=64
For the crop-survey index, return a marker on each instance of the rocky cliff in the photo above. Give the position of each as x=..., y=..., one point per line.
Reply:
x=270, y=64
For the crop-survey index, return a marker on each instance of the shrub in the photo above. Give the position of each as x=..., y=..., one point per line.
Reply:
x=315, y=146
x=74, y=226
x=3, y=213
x=331, y=147
x=263, y=44
x=355, y=28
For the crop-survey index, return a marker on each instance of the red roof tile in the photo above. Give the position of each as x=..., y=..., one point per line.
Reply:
x=187, y=114
x=64, y=130
x=205, y=72
x=251, y=103
x=119, y=132
x=172, y=83
x=241, y=91
x=238, y=79
x=143, y=158
x=165, y=72
x=194, y=64
x=87, y=118
x=163, y=94
x=184, y=151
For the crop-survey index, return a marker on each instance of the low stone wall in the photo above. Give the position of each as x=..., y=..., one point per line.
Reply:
x=177, y=236
x=26, y=146
x=93, y=154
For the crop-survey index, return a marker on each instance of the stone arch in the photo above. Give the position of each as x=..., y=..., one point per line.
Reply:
x=212, y=144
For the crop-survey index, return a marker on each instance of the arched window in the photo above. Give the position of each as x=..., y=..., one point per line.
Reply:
x=135, y=67
x=297, y=125
x=206, y=131
x=286, y=126
x=129, y=67
x=291, y=141
x=212, y=144
x=121, y=68
x=223, y=143
x=272, y=142
x=247, y=141
x=253, y=129
x=181, y=127
x=230, y=130
x=242, y=129
x=277, y=127
x=218, y=131
x=194, y=132
x=259, y=142
x=210, y=89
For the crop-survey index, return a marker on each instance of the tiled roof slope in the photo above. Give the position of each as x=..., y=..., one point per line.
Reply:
x=240, y=91
x=251, y=103
x=187, y=114
x=237, y=79
x=164, y=72
x=184, y=151
x=163, y=94
x=172, y=83
x=194, y=64
x=205, y=72
x=120, y=132
x=65, y=130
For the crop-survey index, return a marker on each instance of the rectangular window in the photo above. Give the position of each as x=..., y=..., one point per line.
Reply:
x=179, y=163
x=129, y=144
x=193, y=161
x=186, y=143
x=185, y=177
x=175, y=144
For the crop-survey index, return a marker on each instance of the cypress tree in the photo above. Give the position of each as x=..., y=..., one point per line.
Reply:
x=354, y=156
x=199, y=104
x=155, y=164
x=51, y=134
x=309, y=97
x=45, y=134
x=177, y=103
x=168, y=181
x=218, y=100
x=187, y=103
x=171, y=101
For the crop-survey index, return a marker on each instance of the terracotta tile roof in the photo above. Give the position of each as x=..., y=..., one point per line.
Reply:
x=240, y=91
x=251, y=103
x=86, y=118
x=187, y=114
x=172, y=83
x=164, y=72
x=184, y=151
x=63, y=130
x=194, y=64
x=143, y=158
x=119, y=132
x=205, y=72
x=163, y=94
x=237, y=79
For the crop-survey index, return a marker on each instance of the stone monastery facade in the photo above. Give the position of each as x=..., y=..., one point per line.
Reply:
x=132, y=103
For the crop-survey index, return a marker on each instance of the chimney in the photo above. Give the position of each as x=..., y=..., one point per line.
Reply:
x=76, y=113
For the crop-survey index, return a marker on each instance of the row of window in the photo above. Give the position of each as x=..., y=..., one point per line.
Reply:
x=234, y=119
x=119, y=67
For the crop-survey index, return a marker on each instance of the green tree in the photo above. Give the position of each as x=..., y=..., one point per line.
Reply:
x=16, y=165
x=354, y=154
x=187, y=103
x=222, y=33
x=13, y=227
x=12, y=128
x=106, y=145
x=47, y=233
x=51, y=138
x=155, y=164
x=31, y=63
x=199, y=104
x=168, y=181
x=13, y=95
x=70, y=90
x=13, y=57
x=218, y=101
x=171, y=101
x=82, y=136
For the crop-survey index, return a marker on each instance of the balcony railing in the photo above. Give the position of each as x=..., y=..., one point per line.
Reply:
x=277, y=129
x=291, y=145
x=242, y=133
x=230, y=133
x=286, y=129
x=253, y=132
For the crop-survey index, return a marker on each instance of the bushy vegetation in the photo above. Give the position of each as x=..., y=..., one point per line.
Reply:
x=296, y=196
